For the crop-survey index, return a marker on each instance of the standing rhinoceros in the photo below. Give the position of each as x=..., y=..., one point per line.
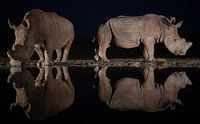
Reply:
x=129, y=32
x=40, y=27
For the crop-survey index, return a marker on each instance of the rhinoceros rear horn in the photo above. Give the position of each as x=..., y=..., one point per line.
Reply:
x=11, y=25
x=26, y=24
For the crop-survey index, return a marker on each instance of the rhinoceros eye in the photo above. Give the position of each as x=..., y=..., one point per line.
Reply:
x=175, y=40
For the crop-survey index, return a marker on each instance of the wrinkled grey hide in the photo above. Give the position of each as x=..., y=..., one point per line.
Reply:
x=129, y=31
x=40, y=27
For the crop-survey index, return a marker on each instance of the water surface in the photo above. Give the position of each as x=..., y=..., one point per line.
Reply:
x=104, y=95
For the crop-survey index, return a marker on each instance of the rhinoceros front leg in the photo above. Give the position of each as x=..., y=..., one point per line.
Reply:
x=149, y=49
x=38, y=49
x=39, y=79
x=43, y=76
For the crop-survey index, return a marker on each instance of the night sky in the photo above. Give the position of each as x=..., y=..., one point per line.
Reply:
x=86, y=15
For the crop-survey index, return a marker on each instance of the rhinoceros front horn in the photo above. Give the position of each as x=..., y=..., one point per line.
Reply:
x=11, y=25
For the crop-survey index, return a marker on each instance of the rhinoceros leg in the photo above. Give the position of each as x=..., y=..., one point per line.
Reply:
x=104, y=39
x=44, y=75
x=48, y=73
x=149, y=48
x=66, y=73
x=47, y=55
x=38, y=49
x=58, y=54
x=104, y=43
x=66, y=76
x=39, y=79
x=59, y=72
x=66, y=51
x=145, y=53
x=102, y=51
x=104, y=87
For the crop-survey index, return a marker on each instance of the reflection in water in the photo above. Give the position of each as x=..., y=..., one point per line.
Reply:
x=131, y=94
x=44, y=96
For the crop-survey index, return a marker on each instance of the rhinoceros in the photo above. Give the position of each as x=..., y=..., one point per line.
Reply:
x=41, y=27
x=40, y=102
x=130, y=94
x=129, y=31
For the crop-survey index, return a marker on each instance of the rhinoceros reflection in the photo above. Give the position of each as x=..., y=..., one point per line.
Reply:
x=130, y=94
x=37, y=101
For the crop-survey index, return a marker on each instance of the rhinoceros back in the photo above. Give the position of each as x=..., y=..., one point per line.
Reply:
x=50, y=27
x=132, y=29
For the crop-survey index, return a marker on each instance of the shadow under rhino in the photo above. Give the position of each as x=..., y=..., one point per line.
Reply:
x=44, y=96
x=130, y=94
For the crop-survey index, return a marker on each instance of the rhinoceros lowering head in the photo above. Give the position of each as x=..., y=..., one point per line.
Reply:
x=20, y=49
x=174, y=43
x=41, y=28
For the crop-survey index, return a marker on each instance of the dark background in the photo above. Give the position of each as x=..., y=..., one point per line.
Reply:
x=86, y=15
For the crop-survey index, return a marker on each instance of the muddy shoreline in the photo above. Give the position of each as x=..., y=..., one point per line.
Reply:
x=130, y=62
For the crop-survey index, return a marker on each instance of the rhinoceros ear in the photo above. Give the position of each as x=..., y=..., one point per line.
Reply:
x=26, y=24
x=172, y=20
x=11, y=25
x=178, y=25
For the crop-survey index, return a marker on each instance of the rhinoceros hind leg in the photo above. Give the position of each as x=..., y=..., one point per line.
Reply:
x=66, y=51
x=59, y=72
x=58, y=54
x=102, y=52
x=47, y=55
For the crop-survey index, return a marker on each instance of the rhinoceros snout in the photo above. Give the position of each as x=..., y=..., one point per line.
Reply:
x=13, y=61
x=183, y=49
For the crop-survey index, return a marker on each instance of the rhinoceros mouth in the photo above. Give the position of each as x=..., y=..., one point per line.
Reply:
x=181, y=53
x=13, y=62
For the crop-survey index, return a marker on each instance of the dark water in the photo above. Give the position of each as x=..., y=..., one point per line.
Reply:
x=109, y=95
